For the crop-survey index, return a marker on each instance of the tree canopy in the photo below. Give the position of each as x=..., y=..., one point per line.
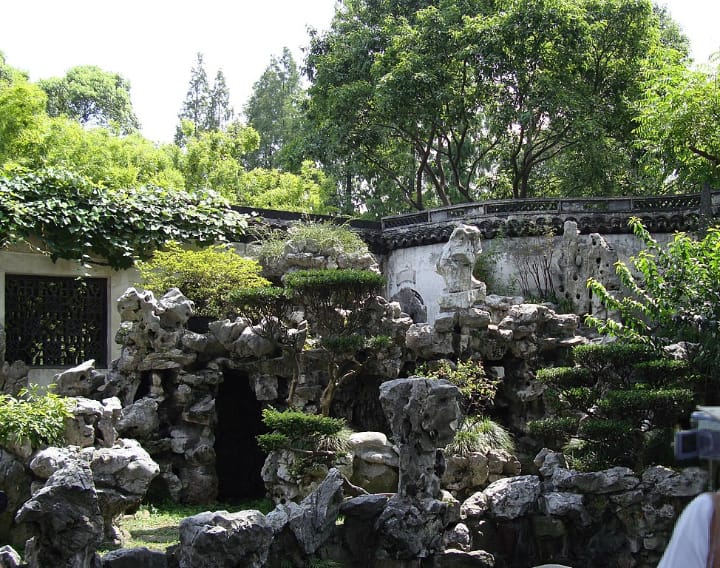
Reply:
x=449, y=101
x=93, y=97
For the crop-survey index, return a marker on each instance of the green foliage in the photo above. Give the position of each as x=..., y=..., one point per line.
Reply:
x=405, y=98
x=206, y=276
x=613, y=361
x=274, y=110
x=92, y=97
x=328, y=237
x=565, y=376
x=258, y=303
x=307, y=191
x=477, y=389
x=480, y=435
x=343, y=344
x=299, y=427
x=38, y=418
x=674, y=296
x=677, y=132
x=74, y=219
x=554, y=429
x=660, y=372
x=325, y=290
x=668, y=406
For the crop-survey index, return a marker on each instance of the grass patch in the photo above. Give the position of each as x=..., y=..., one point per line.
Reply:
x=156, y=526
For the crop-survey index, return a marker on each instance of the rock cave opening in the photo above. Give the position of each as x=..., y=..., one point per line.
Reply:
x=239, y=459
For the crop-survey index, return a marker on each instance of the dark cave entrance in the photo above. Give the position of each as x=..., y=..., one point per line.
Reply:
x=238, y=457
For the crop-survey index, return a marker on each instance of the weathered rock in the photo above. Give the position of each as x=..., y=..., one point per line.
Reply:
x=458, y=538
x=135, y=558
x=93, y=422
x=13, y=376
x=82, y=380
x=139, y=419
x=423, y=415
x=513, y=497
x=453, y=558
x=668, y=483
x=220, y=539
x=458, y=257
x=9, y=558
x=375, y=462
x=65, y=520
x=15, y=483
x=314, y=519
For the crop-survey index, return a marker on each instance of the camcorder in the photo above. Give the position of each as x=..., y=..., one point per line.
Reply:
x=702, y=441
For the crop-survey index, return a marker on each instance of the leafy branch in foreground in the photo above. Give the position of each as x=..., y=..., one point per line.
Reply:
x=672, y=294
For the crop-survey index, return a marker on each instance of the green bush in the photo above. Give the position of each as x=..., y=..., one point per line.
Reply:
x=608, y=431
x=335, y=286
x=206, y=276
x=300, y=430
x=667, y=405
x=661, y=372
x=477, y=389
x=554, y=429
x=565, y=376
x=257, y=303
x=615, y=357
x=40, y=419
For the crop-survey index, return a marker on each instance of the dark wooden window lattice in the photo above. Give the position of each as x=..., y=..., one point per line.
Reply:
x=56, y=322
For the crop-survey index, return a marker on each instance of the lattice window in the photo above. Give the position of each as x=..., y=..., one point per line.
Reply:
x=56, y=322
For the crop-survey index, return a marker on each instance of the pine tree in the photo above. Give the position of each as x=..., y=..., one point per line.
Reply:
x=197, y=102
x=220, y=113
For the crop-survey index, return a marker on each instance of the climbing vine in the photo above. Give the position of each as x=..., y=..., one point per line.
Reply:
x=65, y=216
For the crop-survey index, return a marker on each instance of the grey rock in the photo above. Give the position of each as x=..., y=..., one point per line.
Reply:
x=453, y=558
x=9, y=558
x=135, y=558
x=82, y=380
x=513, y=497
x=314, y=519
x=212, y=539
x=65, y=520
x=139, y=419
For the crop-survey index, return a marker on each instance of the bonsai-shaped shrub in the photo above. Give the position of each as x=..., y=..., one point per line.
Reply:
x=206, y=276
x=606, y=410
x=318, y=439
x=38, y=419
x=335, y=300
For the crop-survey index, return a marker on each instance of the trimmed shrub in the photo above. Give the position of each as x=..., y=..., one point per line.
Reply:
x=257, y=303
x=554, y=429
x=565, y=376
x=617, y=358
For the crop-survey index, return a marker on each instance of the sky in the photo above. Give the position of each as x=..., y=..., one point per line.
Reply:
x=153, y=43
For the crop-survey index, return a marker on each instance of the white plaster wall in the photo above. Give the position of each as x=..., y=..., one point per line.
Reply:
x=22, y=261
x=415, y=267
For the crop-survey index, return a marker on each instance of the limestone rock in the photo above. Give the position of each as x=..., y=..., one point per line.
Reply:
x=82, y=380
x=513, y=497
x=313, y=520
x=139, y=419
x=458, y=257
x=9, y=558
x=65, y=520
x=375, y=462
x=134, y=558
x=212, y=539
x=15, y=483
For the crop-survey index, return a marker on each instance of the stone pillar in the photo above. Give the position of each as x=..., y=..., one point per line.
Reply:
x=456, y=264
x=423, y=415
